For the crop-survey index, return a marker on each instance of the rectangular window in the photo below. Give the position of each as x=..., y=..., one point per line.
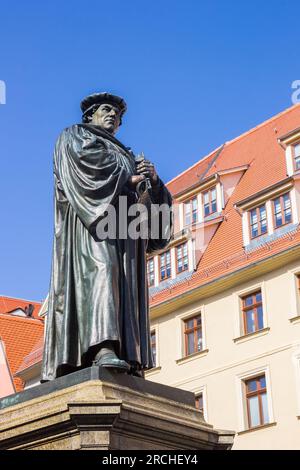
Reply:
x=193, y=341
x=187, y=213
x=257, y=401
x=296, y=151
x=195, y=210
x=258, y=221
x=191, y=211
x=182, y=259
x=282, y=210
x=252, y=309
x=298, y=283
x=153, y=347
x=210, y=202
x=199, y=402
x=165, y=265
x=150, y=272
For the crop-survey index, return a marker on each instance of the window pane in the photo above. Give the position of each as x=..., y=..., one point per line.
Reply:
x=265, y=408
x=206, y=210
x=190, y=343
x=214, y=206
x=286, y=201
x=248, y=300
x=277, y=206
x=254, y=230
x=258, y=297
x=213, y=195
x=263, y=219
x=198, y=320
x=187, y=211
x=206, y=198
x=278, y=220
x=253, y=216
x=252, y=385
x=262, y=382
x=199, y=340
x=277, y=212
x=199, y=402
x=189, y=323
x=260, y=317
x=264, y=226
x=254, y=411
x=153, y=347
x=297, y=150
x=250, y=320
x=262, y=212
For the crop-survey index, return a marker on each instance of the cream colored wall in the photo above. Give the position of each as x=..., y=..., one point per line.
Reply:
x=219, y=369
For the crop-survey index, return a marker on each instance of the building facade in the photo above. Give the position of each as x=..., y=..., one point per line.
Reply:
x=225, y=295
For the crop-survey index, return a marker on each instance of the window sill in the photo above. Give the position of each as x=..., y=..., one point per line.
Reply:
x=255, y=334
x=295, y=319
x=192, y=357
x=257, y=428
x=152, y=371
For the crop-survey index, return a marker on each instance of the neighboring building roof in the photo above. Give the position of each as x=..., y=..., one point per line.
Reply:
x=11, y=304
x=20, y=335
x=258, y=148
x=35, y=356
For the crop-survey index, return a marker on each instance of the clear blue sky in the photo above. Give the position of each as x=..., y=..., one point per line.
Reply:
x=195, y=73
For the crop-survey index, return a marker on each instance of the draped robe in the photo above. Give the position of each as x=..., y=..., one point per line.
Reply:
x=98, y=289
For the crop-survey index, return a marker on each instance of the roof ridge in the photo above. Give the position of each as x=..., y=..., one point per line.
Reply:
x=18, y=298
x=264, y=123
x=244, y=134
x=197, y=163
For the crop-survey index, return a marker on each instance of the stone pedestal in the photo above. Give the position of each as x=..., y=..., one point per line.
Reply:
x=102, y=410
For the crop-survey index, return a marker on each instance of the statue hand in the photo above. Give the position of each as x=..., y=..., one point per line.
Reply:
x=134, y=180
x=146, y=168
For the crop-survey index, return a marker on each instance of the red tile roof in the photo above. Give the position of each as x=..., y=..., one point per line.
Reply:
x=35, y=356
x=9, y=304
x=20, y=335
x=258, y=148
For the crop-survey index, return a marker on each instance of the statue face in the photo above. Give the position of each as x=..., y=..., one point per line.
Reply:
x=107, y=116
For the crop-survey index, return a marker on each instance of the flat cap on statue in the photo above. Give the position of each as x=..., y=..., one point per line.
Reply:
x=99, y=98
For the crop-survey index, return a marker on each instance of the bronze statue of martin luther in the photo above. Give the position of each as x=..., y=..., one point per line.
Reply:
x=98, y=299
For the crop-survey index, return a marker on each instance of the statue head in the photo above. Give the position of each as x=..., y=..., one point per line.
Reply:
x=104, y=110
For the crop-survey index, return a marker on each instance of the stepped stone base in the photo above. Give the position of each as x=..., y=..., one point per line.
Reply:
x=102, y=410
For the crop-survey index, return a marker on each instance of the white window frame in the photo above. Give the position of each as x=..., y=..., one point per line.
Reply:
x=241, y=397
x=180, y=330
x=238, y=317
x=197, y=391
x=294, y=310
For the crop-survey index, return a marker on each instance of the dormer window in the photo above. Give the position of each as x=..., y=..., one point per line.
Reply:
x=182, y=258
x=258, y=221
x=282, y=210
x=151, y=272
x=210, y=202
x=296, y=155
x=165, y=265
x=191, y=211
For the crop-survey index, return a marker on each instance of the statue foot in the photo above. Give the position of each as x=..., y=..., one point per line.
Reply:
x=110, y=360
